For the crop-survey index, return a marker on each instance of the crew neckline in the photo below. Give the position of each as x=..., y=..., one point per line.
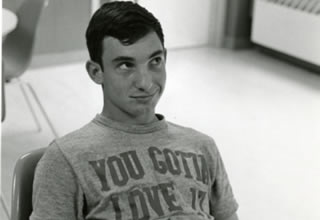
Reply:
x=130, y=128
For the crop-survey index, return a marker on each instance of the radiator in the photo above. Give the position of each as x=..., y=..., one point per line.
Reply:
x=288, y=26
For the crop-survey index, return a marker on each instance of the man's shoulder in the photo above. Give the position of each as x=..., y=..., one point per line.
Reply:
x=77, y=135
x=190, y=137
x=188, y=132
x=81, y=138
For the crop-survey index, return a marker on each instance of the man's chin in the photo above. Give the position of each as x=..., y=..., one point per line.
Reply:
x=144, y=115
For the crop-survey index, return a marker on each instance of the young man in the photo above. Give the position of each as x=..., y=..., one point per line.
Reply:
x=128, y=162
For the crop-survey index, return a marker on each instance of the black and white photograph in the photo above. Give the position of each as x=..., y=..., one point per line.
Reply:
x=160, y=110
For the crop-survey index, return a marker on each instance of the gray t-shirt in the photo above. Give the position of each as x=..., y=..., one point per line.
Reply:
x=110, y=170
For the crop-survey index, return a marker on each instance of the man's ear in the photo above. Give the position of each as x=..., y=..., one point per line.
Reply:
x=95, y=71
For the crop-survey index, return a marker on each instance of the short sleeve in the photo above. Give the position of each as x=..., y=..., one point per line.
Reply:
x=56, y=194
x=222, y=201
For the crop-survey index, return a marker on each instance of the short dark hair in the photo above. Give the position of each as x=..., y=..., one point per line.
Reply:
x=126, y=21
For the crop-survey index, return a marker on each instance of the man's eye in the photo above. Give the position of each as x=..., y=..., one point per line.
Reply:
x=156, y=61
x=125, y=66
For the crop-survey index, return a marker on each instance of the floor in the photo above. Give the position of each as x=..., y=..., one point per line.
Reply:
x=262, y=112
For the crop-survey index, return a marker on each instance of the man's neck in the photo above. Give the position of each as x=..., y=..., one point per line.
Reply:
x=142, y=119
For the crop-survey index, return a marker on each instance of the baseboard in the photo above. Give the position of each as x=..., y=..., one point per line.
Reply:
x=237, y=43
x=292, y=60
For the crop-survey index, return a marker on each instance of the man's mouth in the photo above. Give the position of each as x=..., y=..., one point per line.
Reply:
x=141, y=96
x=144, y=97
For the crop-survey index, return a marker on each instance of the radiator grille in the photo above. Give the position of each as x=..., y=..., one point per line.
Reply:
x=308, y=6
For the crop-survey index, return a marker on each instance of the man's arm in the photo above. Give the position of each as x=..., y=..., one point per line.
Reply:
x=222, y=200
x=54, y=188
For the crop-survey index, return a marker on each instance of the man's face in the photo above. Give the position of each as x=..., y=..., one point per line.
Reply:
x=133, y=77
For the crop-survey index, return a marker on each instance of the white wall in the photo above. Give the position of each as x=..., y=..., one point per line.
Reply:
x=185, y=23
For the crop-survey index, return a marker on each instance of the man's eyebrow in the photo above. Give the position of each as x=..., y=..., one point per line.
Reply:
x=131, y=59
x=122, y=58
x=156, y=53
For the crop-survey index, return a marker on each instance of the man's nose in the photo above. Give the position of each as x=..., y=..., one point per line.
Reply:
x=143, y=79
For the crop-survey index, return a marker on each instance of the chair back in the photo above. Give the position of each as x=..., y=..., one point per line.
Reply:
x=18, y=46
x=21, y=202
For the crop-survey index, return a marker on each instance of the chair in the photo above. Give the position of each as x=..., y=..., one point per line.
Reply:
x=17, y=53
x=21, y=202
